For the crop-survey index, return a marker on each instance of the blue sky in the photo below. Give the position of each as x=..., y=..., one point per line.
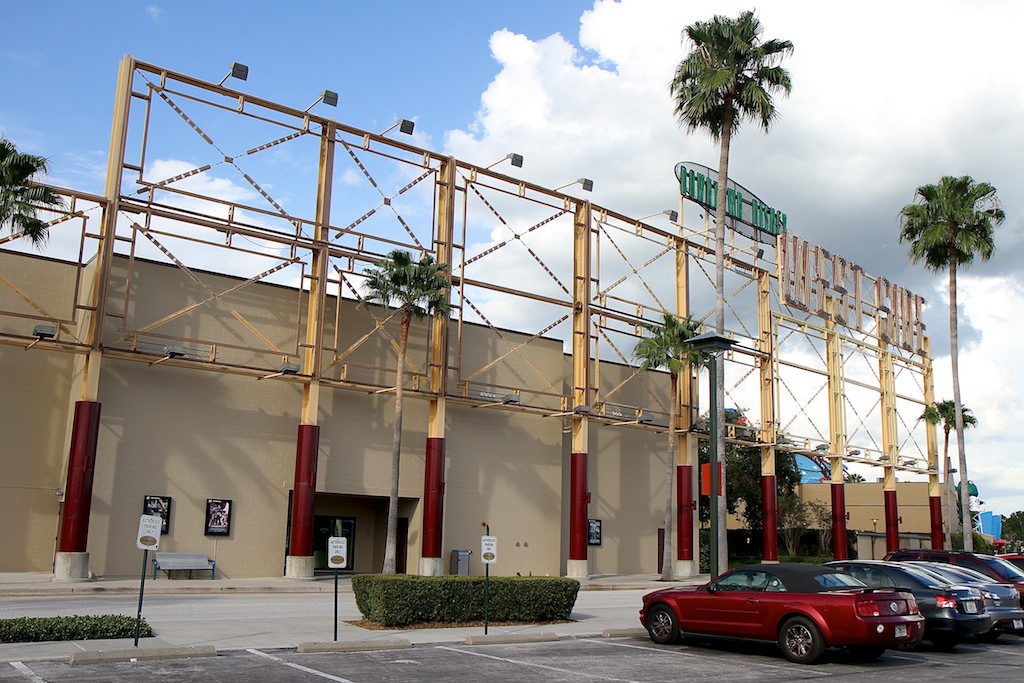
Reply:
x=887, y=96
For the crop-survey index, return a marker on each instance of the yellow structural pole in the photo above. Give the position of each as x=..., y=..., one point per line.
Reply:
x=686, y=562
x=938, y=512
x=836, y=429
x=890, y=445
x=299, y=561
x=579, y=495
x=769, y=430
x=431, y=562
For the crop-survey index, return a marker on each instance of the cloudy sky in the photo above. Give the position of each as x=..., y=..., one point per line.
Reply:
x=886, y=96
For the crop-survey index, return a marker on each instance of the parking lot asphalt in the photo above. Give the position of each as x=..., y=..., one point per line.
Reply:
x=199, y=616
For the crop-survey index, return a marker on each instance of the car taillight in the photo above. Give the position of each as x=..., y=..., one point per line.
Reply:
x=912, y=607
x=867, y=608
x=945, y=602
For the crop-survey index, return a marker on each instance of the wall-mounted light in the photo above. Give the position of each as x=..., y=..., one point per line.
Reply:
x=239, y=71
x=285, y=369
x=41, y=332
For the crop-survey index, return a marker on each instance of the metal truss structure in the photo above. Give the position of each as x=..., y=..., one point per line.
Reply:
x=829, y=361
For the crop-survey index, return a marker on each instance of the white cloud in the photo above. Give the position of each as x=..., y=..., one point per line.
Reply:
x=886, y=97
x=155, y=13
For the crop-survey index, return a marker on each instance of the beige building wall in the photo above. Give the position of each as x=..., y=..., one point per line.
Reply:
x=194, y=434
x=865, y=503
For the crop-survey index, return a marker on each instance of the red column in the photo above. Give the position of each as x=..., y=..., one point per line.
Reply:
x=578, y=499
x=770, y=518
x=74, y=531
x=892, y=524
x=935, y=510
x=839, y=521
x=684, y=511
x=433, y=497
x=304, y=495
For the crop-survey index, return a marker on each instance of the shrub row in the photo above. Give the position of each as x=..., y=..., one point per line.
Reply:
x=399, y=600
x=76, y=627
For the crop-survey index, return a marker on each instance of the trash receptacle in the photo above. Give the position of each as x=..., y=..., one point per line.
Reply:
x=460, y=562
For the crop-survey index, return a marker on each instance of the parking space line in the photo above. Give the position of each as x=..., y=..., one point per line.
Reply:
x=588, y=675
x=694, y=654
x=27, y=672
x=321, y=674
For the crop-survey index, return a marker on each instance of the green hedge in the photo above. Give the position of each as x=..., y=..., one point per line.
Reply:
x=399, y=600
x=76, y=627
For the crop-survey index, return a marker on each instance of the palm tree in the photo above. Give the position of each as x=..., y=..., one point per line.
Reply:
x=418, y=289
x=728, y=77
x=20, y=196
x=667, y=348
x=948, y=225
x=945, y=412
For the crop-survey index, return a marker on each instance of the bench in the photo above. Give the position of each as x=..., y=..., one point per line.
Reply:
x=191, y=562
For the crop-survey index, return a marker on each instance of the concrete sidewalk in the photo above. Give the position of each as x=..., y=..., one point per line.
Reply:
x=276, y=613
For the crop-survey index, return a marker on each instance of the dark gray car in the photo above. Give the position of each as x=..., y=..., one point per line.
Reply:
x=951, y=612
x=1001, y=600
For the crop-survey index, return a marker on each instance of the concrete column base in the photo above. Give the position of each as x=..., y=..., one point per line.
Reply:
x=71, y=567
x=577, y=569
x=431, y=566
x=298, y=567
x=684, y=569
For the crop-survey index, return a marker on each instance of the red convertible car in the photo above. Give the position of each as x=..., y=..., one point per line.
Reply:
x=803, y=608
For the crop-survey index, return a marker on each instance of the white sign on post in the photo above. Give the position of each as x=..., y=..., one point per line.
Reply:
x=149, y=532
x=489, y=549
x=337, y=552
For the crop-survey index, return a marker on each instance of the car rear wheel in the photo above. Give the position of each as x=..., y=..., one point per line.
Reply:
x=801, y=641
x=662, y=625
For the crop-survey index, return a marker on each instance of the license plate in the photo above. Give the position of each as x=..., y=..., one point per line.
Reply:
x=901, y=630
x=970, y=607
x=1018, y=624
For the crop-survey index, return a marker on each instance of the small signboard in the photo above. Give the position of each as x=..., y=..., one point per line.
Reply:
x=149, y=532
x=488, y=549
x=337, y=552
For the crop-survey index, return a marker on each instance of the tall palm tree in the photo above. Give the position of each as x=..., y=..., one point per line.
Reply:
x=945, y=412
x=20, y=196
x=418, y=289
x=667, y=348
x=947, y=226
x=729, y=77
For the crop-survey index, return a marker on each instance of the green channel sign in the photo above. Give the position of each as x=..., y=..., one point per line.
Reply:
x=699, y=183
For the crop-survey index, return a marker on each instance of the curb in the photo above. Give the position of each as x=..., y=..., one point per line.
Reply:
x=507, y=639
x=352, y=646
x=624, y=633
x=135, y=654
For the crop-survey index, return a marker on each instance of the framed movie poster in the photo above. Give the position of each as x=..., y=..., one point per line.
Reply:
x=159, y=506
x=593, y=532
x=218, y=517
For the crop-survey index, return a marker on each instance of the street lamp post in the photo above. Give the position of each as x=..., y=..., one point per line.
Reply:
x=713, y=344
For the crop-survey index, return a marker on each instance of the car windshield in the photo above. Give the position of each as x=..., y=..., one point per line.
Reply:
x=1005, y=569
x=924, y=576
x=839, y=580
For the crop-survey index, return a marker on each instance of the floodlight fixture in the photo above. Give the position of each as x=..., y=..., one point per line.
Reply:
x=238, y=70
x=586, y=183
x=581, y=410
x=44, y=331
x=403, y=125
x=821, y=447
x=328, y=97
x=516, y=159
x=854, y=452
x=673, y=216
x=285, y=369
